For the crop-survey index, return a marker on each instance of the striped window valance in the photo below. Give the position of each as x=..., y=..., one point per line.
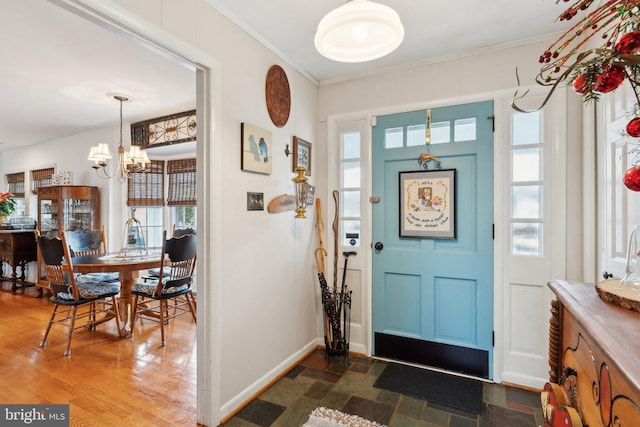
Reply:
x=41, y=178
x=182, y=182
x=147, y=188
x=16, y=184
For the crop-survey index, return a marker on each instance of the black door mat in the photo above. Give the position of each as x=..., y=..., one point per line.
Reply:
x=448, y=390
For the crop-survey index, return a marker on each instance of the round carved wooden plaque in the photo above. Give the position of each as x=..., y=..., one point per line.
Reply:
x=278, y=96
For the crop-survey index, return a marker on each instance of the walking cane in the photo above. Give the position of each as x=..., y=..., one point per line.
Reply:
x=319, y=254
x=336, y=198
x=343, y=287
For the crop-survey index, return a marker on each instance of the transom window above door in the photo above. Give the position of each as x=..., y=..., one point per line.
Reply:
x=440, y=133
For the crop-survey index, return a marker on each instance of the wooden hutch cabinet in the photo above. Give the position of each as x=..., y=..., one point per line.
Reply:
x=74, y=207
x=594, y=356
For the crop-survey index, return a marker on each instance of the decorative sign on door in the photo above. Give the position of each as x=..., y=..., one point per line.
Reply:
x=427, y=204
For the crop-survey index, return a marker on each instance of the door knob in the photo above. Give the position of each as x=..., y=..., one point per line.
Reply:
x=378, y=246
x=606, y=275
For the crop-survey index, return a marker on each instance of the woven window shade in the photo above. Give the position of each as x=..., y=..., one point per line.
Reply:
x=147, y=188
x=41, y=178
x=16, y=184
x=182, y=182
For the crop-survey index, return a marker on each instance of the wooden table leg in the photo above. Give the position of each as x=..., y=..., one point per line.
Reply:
x=125, y=302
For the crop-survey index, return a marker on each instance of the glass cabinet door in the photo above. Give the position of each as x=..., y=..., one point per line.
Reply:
x=77, y=214
x=49, y=217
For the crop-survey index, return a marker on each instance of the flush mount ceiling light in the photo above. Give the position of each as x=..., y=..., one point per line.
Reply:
x=359, y=31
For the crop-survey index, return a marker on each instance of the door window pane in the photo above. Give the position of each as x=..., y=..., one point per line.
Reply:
x=351, y=174
x=526, y=202
x=416, y=135
x=525, y=128
x=393, y=137
x=351, y=145
x=440, y=132
x=526, y=239
x=525, y=165
x=465, y=129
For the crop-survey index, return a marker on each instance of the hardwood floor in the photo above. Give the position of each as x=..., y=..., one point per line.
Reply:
x=107, y=381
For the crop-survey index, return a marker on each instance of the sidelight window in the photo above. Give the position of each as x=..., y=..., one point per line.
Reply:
x=526, y=160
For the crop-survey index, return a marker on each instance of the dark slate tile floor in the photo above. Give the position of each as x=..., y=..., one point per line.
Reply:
x=347, y=385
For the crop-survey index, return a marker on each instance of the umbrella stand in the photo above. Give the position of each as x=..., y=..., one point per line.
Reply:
x=336, y=304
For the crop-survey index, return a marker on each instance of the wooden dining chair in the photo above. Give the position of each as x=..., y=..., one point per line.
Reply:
x=68, y=295
x=177, y=232
x=173, y=284
x=154, y=273
x=90, y=242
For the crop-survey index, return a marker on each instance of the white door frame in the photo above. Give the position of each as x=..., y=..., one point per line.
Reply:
x=119, y=20
x=557, y=265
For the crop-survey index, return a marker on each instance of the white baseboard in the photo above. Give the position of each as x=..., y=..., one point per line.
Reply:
x=248, y=393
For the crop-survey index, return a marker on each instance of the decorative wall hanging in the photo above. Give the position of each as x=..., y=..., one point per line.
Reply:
x=592, y=72
x=278, y=95
x=256, y=149
x=427, y=204
x=301, y=155
x=167, y=130
x=255, y=201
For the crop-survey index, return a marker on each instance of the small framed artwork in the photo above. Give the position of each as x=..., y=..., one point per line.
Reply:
x=427, y=204
x=255, y=201
x=301, y=155
x=256, y=149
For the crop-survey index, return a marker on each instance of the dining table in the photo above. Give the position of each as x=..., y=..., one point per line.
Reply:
x=128, y=268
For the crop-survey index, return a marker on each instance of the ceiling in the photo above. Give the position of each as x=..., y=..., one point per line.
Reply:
x=435, y=30
x=57, y=68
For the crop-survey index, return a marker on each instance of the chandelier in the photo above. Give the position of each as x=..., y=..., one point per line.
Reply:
x=359, y=31
x=135, y=160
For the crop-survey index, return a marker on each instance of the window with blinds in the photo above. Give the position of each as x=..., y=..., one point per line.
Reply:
x=41, y=178
x=16, y=184
x=182, y=182
x=147, y=188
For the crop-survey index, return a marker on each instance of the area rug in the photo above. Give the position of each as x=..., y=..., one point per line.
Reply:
x=325, y=417
x=447, y=390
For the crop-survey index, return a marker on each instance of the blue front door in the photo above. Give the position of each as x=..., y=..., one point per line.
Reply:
x=433, y=294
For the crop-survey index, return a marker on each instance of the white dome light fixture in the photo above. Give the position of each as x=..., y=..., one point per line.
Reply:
x=359, y=31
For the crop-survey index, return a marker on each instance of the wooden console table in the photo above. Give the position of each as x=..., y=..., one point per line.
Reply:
x=594, y=356
x=17, y=248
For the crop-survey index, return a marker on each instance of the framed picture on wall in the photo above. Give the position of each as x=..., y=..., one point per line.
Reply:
x=427, y=204
x=256, y=155
x=301, y=155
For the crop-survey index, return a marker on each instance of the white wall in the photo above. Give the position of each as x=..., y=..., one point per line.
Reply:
x=266, y=287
